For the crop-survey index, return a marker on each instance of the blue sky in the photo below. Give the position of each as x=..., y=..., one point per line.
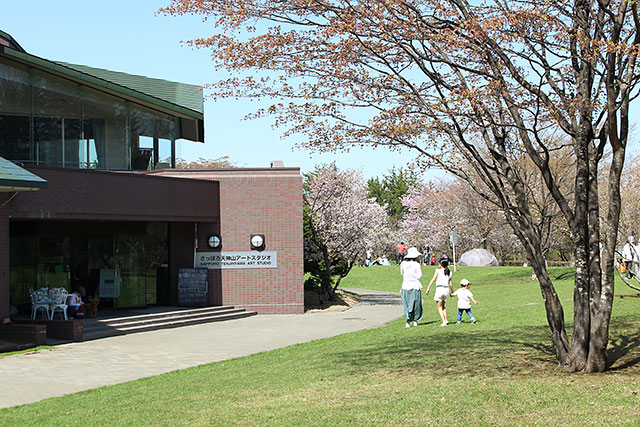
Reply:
x=127, y=36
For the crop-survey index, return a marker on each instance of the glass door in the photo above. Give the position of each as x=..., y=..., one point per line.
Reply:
x=100, y=257
x=130, y=257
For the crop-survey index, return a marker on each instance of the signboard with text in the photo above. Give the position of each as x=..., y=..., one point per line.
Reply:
x=226, y=260
x=193, y=287
x=109, y=283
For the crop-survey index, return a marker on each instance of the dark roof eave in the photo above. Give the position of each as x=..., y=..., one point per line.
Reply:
x=22, y=185
x=12, y=41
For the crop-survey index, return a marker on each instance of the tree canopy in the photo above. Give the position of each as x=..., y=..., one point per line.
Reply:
x=472, y=87
x=202, y=163
x=391, y=188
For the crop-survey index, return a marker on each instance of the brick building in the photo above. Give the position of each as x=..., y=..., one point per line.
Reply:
x=89, y=190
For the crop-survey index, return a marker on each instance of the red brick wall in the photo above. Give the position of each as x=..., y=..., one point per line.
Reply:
x=257, y=201
x=119, y=196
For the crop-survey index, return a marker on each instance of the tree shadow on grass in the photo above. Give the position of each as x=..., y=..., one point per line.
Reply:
x=380, y=299
x=565, y=276
x=624, y=348
x=489, y=353
x=524, y=351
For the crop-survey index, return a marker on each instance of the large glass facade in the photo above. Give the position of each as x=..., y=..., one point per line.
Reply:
x=69, y=254
x=49, y=120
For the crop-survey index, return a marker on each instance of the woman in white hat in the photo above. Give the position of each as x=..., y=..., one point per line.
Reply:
x=411, y=291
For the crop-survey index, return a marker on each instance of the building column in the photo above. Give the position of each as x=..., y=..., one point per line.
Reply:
x=181, y=253
x=5, y=285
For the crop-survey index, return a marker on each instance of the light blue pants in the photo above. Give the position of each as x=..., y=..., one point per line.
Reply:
x=412, y=303
x=462, y=310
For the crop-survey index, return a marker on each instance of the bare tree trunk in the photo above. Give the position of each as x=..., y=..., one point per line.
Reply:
x=581, y=314
x=325, y=275
x=597, y=356
x=555, y=313
x=344, y=273
x=602, y=290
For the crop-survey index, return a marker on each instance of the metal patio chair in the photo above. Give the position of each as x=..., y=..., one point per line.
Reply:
x=58, y=298
x=39, y=300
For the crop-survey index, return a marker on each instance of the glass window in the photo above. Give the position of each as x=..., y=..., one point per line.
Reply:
x=23, y=261
x=15, y=96
x=105, y=130
x=157, y=261
x=142, y=157
x=165, y=154
x=56, y=124
x=54, y=262
x=72, y=141
x=151, y=134
x=15, y=137
x=15, y=112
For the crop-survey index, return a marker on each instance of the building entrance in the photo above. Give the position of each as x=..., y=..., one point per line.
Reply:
x=69, y=254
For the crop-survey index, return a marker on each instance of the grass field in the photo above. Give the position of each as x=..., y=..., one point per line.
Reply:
x=500, y=371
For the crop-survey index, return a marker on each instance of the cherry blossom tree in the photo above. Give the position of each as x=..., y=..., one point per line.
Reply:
x=437, y=208
x=430, y=216
x=461, y=83
x=342, y=222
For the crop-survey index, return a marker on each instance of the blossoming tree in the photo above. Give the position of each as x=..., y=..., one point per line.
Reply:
x=437, y=208
x=342, y=222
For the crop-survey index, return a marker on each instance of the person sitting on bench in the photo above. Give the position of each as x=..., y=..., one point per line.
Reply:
x=75, y=306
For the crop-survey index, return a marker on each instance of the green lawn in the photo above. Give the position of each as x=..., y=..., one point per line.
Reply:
x=29, y=350
x=499, y=371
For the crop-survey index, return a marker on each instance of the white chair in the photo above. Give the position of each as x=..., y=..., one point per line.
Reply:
x=58, y=302
x=39, y=300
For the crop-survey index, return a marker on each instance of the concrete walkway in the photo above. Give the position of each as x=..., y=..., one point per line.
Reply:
x=74, y=367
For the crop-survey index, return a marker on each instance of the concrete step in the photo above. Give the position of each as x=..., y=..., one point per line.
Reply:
x=127, y=322
x=128, y=325
x=165, y=314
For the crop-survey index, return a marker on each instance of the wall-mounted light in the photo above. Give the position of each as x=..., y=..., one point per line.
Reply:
x=257, y=241
x=214, y=241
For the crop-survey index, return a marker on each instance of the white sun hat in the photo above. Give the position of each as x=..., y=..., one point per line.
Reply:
x=413, y=253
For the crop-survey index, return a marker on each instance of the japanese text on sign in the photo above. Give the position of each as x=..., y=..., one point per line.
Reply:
x=224, y=260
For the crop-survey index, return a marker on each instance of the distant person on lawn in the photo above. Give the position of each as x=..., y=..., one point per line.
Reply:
x=464, y=300
x=411, y=292
x=442, y=277
x=402, y=249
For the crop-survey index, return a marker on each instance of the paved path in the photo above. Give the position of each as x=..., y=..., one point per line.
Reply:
x=28, y=378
